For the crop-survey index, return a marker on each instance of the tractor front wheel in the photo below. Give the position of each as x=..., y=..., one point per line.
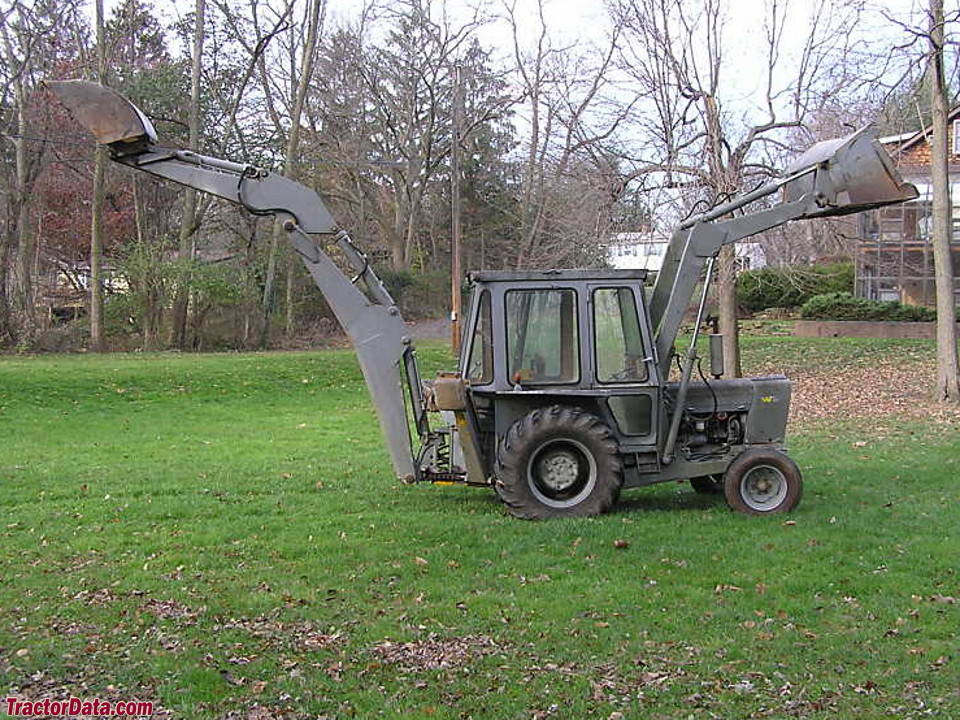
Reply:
x=558, y=462
x=763, y=481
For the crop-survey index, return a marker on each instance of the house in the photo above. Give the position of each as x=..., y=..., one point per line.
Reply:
x=645, y=251
x=894, y=254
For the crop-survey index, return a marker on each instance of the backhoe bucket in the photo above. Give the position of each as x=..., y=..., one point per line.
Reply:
x=111, y=118
x=847, y=175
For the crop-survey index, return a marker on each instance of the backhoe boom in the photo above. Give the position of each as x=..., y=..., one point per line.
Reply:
x=371, y=319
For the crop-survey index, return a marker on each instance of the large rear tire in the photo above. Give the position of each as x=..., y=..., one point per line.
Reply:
x=558, y=462
x=763, y=481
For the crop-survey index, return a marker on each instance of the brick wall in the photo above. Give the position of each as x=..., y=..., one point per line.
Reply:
x=919, y=154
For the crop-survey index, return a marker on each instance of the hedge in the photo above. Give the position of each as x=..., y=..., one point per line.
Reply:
x=771, y=287
x=843, y=306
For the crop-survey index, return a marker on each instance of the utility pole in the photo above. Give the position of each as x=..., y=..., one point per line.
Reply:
x=455, y=293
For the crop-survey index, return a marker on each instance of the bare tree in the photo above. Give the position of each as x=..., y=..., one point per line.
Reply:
x=301, y=51
x=948, y=370
x=299, y=89
x=35, y=41
x=188, y=220
x=408, y=81
x=97, y=342
x=569, y=179
x=701, y=144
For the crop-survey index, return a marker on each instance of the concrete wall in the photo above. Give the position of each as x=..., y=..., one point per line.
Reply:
x=866, y=329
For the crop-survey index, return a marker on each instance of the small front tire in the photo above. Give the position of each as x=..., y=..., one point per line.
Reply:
x=763, y=481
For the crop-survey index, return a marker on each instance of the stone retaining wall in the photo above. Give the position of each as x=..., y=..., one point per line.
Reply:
x=865, y=329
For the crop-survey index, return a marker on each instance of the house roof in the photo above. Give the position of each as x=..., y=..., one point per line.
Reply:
x=915, y=138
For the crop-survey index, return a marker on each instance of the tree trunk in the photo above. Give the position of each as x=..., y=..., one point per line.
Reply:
x=6, y=249
x=948, y=376
x=26, y=304
x=188, y=221
x=290, y=158
x=727, y=311
x=97, y=343
x=290, y=318
x=724, y=178
x=96, y=211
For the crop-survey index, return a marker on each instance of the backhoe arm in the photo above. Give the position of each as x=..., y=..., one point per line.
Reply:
x=371, y=319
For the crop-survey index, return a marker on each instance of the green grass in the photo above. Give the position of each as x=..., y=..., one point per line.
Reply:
x=221, y=534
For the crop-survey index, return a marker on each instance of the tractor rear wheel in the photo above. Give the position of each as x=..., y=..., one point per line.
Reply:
x=763, y=481
x=558, y=462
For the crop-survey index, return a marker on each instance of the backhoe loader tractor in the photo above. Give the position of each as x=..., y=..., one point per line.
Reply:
x=562, y=396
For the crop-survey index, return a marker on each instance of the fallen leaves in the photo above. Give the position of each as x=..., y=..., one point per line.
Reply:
x=889, y=387
x=171, y=610
x=435, y=652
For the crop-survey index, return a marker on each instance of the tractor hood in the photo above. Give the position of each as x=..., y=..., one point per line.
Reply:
x=106, y=114
x=847, y=175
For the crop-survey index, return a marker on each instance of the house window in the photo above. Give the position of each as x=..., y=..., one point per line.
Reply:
x=956, y=138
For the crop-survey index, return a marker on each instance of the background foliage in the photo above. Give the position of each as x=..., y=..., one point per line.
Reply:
x=562, y=144
x=791, y=287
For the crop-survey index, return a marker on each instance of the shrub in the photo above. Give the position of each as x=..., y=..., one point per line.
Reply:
x=418, y=295
x=771, y=287
x=843, y=306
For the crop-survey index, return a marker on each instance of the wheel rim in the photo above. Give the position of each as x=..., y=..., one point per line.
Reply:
x=562, y=473
x=763, y=488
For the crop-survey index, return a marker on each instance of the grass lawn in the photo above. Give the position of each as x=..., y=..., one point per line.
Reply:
x=221, y=534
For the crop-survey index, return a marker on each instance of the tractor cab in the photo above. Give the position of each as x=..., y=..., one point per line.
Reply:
x=575, y=347
x=579, y=338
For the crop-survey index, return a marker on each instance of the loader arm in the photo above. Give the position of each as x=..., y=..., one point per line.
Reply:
x=371, y=319
x=832, y=178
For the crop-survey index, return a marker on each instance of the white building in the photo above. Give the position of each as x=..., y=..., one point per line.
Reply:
x=646, y=250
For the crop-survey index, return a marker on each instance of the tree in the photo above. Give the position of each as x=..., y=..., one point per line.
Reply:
x=141, y=67
x=569, y=180
x=298, y=93
x=188, y=220
x=97, y=342
x=37, y=40
x=408, y=81
x=381, y=119
x=700, y=145
x=948, y=365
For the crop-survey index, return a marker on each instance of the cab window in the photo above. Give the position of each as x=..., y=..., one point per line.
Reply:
x=619, y=350
x=480, y=364
x=542, y=337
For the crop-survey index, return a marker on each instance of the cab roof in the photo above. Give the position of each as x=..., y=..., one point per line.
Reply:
x=578, y=275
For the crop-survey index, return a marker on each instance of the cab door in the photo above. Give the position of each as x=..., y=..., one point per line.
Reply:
x=624, y=371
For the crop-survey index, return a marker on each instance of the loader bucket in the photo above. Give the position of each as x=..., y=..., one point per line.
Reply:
x=847, y=175
x=110, y=117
